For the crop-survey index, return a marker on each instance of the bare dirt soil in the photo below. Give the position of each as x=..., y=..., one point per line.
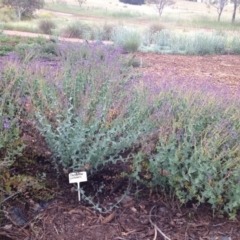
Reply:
x=141, y=214
x=219, y=69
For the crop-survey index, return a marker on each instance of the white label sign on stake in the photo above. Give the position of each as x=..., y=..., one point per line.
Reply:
x=77, y=177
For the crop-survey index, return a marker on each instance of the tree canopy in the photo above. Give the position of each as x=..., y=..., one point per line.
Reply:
x=26, y=7
x=160, y=4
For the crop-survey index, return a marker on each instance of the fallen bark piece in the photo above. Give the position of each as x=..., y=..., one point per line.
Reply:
x=109, y=218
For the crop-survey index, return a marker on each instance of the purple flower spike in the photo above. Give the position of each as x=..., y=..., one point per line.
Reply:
x=6, y=123
x=209, y=176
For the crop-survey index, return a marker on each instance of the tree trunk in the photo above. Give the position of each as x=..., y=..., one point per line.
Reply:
x=234, y=10
x=19, y=13
x=160, y=12
x=219, y=14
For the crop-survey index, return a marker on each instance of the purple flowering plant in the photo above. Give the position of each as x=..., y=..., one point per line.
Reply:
x=10, y=89
x=198, y=142
x=94, y=110
x=89, y=108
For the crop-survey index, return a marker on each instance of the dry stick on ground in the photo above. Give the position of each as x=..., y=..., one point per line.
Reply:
x=156, y=227
x=109, y=218
x=4, y=200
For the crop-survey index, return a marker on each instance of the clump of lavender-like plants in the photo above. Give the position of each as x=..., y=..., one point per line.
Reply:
x=92, y=111
x=197, y=152
x=10, y=111
x=87, y=107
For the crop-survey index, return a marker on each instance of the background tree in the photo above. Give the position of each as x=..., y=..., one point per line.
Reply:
x=160, y=4
x=219, y=5
x=26, y=7
x=236, y=3
x=81, y=2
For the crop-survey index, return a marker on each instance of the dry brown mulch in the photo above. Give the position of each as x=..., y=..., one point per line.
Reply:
x=137, y=212
x=219, y=69
x=150, y=218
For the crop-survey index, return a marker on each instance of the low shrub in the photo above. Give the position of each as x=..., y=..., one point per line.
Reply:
x=102, y=32
x=155, y=27
x=149, y=32
x=196, y=149
x=107, y=31
x=93, y=110
x=197, y=43
x=28, y=51
x=4, y=38
x=46, y=26
x=39, y=48
x=11, y=145
x=235, y=45
x=76, y=30
x=5, y=49
x=87, y=109
x=127, y=38
x=206, y=43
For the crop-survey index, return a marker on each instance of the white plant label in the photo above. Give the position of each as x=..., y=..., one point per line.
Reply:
x=77, y=177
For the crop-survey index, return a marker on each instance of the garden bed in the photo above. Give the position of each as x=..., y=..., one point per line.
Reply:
x=48, y=203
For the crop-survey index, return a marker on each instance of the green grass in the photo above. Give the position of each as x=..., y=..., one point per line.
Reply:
x=174, y=20
x=5, y=49
x=4, y=38
x=210, y=23
x=93, y=12
x=24, y=26
x=198, y=22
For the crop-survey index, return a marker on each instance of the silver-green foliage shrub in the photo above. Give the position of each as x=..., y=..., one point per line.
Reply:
x=88, y=108
x=46, y=26
x=202, y=43
x=127, y=38
x=197, y=152
x=199, y=43
x=102, y=32
x=76, y=29
x=235, y=45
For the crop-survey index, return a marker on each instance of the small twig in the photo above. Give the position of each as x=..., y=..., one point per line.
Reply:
x=230, y=233
x=5, y=212
x=56, y=230
x=219, y=224
x=199, y=225
x=9, y=197
x=129, y=232
x=156, y=227
x=155, y=233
